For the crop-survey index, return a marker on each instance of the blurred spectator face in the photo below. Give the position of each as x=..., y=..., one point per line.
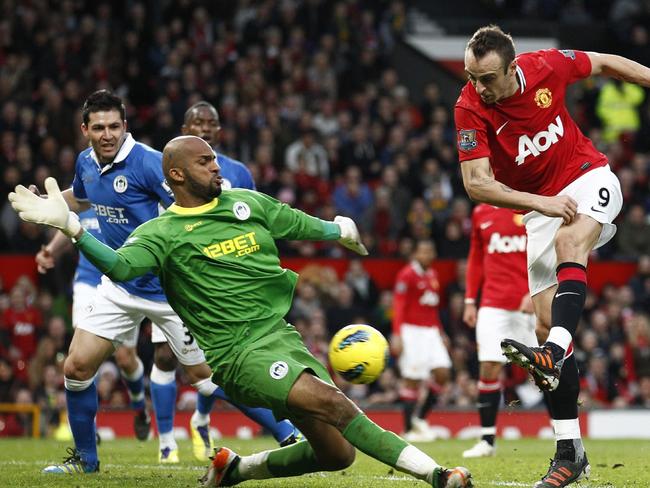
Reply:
x=425, y=253
x=24, y=396
x=18, y=299
x=105, y=131
x=6, y=373
x=56, y=327
x=644, y=265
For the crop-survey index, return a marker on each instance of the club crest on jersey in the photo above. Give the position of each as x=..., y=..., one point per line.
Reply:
x=278, y=370
x=120, y=184
x=568, y=53
x=518, y=219
x=543, y=98
x=241, y=210
x=467, y=139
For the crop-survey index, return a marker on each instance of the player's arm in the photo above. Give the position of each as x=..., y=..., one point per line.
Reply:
x=132, y=261
x=481, y=186
x=618, y=67
x=77, y=206
x=47, y=256
x=126, y=263
x=285, y=222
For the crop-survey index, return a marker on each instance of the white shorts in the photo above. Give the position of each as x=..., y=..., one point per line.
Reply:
x=423, y=350
x=115, y=315
x=83, y=296
x=495, y=324
x=599, y=195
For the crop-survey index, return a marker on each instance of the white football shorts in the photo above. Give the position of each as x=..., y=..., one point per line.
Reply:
x=83, y=297
x=495, y=324
x=599, y=195
x=116, y=315
x=423, y=350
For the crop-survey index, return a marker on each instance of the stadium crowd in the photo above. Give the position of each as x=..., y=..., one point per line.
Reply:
x=308, y=99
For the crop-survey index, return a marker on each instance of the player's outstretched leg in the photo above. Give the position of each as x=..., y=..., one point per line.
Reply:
x=163, y=398
x=333, y=425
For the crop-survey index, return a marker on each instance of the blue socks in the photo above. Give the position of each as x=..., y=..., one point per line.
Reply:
x=135, y=385
x=204, y=403
x=163, y=397
x=82, y=408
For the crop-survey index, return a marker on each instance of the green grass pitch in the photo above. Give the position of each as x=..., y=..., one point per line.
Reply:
x=129, y=463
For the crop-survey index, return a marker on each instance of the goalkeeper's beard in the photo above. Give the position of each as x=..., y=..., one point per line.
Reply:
x=205, y=192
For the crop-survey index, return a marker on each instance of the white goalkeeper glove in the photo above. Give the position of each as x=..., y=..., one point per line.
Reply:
x=350, y=237
x=52, y=211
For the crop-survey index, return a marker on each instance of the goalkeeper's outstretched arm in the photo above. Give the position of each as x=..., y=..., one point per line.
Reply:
x=55, y=212
x=113, y=264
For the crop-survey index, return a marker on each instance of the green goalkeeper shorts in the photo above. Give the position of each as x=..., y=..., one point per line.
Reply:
x=264, y=372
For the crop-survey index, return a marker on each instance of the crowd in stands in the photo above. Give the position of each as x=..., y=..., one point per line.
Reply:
x=309, y=101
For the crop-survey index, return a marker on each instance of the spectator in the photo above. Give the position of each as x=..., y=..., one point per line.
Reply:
x=634, y=233
x=364, y=288
x=22, y=322
x=312, y=154
x=618, y=108
x=353, y=197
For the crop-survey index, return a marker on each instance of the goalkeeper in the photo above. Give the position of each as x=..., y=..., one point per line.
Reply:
x=216, y=258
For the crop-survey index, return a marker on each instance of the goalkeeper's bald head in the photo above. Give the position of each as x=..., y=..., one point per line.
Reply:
x=190, y=168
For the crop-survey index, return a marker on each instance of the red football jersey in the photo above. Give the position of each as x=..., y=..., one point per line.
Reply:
x=416, y=297
x=532, y=142
x=23, y=327
x=497, y=258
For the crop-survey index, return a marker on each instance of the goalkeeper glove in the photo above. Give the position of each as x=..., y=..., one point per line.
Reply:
x=350, y=237
x=52, y=211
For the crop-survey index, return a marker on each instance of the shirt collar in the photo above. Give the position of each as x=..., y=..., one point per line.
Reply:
x=122, y=154
x=177, y=209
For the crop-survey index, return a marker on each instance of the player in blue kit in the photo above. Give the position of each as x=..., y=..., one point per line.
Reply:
x=123, y=181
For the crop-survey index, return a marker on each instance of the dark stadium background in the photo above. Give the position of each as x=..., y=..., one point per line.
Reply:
x=346, y=74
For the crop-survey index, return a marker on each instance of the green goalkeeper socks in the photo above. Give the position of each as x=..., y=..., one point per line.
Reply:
x=292, y=460
x=361, y=432
x=389, y=448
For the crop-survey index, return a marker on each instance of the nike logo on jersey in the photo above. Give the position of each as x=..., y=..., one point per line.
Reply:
x=485, y=225
x=558, y=295
x=596, y=210
x=501, y=128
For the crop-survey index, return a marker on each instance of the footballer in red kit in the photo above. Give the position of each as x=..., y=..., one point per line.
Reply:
x=520, y=149
x=497, y=267
x=418, y=339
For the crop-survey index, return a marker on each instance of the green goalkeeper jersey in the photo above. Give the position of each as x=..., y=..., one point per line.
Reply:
x=219, y=266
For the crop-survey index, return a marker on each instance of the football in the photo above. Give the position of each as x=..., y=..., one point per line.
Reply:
x=358, y=353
